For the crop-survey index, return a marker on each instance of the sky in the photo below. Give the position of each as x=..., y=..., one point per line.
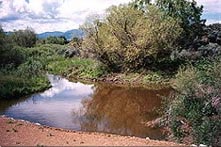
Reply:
x=63, y=15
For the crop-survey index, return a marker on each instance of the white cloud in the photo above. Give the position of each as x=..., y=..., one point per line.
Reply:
x=212, y=10
x=50, y=15
x=36, y=6
x=211, y=21
x=211, y=6
x=59, y=85
x=62, y=15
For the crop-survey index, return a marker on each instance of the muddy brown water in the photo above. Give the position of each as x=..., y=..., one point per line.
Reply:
x=97, y=108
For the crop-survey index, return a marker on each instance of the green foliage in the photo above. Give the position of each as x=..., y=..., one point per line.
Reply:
x=188, y=12
x=153, y=77
x=31, y=68
x=55, y=40
x=9, y=55
x=13, y=56
x=26, y=77
x=76, y=67
x=128, y=39
x=45, y=50
x=76, y=42
x=197, y=103
x=59, y=65
x=2, y=37
x=15, y=85
x=24, y=38
x=22, y=69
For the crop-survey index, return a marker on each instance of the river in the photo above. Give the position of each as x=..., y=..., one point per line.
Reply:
x=98, y=107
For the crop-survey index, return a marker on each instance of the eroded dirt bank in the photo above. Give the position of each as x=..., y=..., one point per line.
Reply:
x=22, y=133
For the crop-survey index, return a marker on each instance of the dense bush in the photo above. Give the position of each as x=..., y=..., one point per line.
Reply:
x=24, y=38
x=22, y=69
x=188, y=12
x=10, y=55
x=45, y=50
x=196, y=109
x=54, y=40
x=15, y=85
x=76, y=67
x=128, y=39
x=31, y=68
x=76, y=42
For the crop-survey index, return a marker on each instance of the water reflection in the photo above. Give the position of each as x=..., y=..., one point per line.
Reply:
x=122, y=110
x=66, y=88
x=99, y=107
x=52, y=107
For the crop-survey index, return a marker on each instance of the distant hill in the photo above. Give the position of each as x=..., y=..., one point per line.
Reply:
x=68, y=34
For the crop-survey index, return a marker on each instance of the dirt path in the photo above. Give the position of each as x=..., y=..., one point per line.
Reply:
x=22, y=133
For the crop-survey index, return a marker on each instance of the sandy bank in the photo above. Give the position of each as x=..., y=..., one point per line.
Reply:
x=23, y=133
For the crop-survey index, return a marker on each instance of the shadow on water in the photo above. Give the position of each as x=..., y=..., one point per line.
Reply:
x=100, y=107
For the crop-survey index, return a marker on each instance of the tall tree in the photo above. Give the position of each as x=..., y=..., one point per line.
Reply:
x=188, y=12
x=128, y=39
x=24, y=38
x=9, y=54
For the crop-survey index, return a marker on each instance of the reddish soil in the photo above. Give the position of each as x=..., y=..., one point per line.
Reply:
x=23, y=133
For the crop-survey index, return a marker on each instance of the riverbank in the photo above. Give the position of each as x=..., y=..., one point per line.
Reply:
x=23, y=133
x=13, y=86
x=90, y=71
x=147, y=80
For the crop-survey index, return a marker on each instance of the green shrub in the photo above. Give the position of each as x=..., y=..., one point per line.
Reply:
x=10, y=55
x=45, y=50
x=31, y=68
x=24, y=38
x=56, y=40
x=14, y=86
x=188, y=12
x=196, y=108
x=128, y=39
x=153, y=77
x=77, y=67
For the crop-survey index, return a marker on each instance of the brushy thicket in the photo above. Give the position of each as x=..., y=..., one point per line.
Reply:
x=142, y=34
x=24, y=64
x=14, y=85
x=23, y=79
x=23, y=38
x=76, y=67
x=22, y=68
x=53, y=40
x=196, y=109
x=20, y=74
x=129, y=39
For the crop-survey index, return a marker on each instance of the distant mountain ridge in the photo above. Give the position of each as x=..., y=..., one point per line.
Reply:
x=68, y=34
